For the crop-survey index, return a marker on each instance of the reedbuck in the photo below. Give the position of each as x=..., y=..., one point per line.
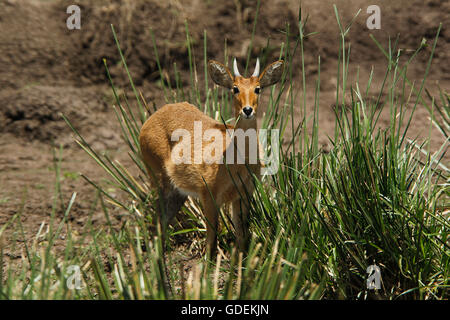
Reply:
x=213, y=182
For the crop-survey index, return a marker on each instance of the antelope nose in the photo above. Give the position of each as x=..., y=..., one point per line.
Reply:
x=248, y=110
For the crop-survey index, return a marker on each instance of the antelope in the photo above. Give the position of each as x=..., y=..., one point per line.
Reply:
x=214, y=183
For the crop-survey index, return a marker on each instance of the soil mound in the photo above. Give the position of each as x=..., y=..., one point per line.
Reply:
x=35, y=112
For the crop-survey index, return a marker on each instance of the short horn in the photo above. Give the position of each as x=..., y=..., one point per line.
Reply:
x=256, y=72
x=235, y=69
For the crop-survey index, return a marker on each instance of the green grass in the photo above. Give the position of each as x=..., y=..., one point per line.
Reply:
x=376, y=197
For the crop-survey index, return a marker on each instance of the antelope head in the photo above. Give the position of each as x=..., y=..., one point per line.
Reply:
x=246, y=91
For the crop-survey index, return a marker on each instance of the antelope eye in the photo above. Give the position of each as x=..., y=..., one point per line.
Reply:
x=235, y=90
x=258, y=90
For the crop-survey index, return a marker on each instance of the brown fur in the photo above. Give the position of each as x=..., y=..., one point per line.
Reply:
x=211, y=183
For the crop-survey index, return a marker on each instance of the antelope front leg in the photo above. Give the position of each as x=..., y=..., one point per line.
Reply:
x=212, y=219
x=239, y=219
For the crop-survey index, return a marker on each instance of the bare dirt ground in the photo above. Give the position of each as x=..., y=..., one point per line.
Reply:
x=46, y=69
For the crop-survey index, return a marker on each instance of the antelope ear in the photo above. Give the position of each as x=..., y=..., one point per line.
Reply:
x=271, y=74
x=220, y=74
